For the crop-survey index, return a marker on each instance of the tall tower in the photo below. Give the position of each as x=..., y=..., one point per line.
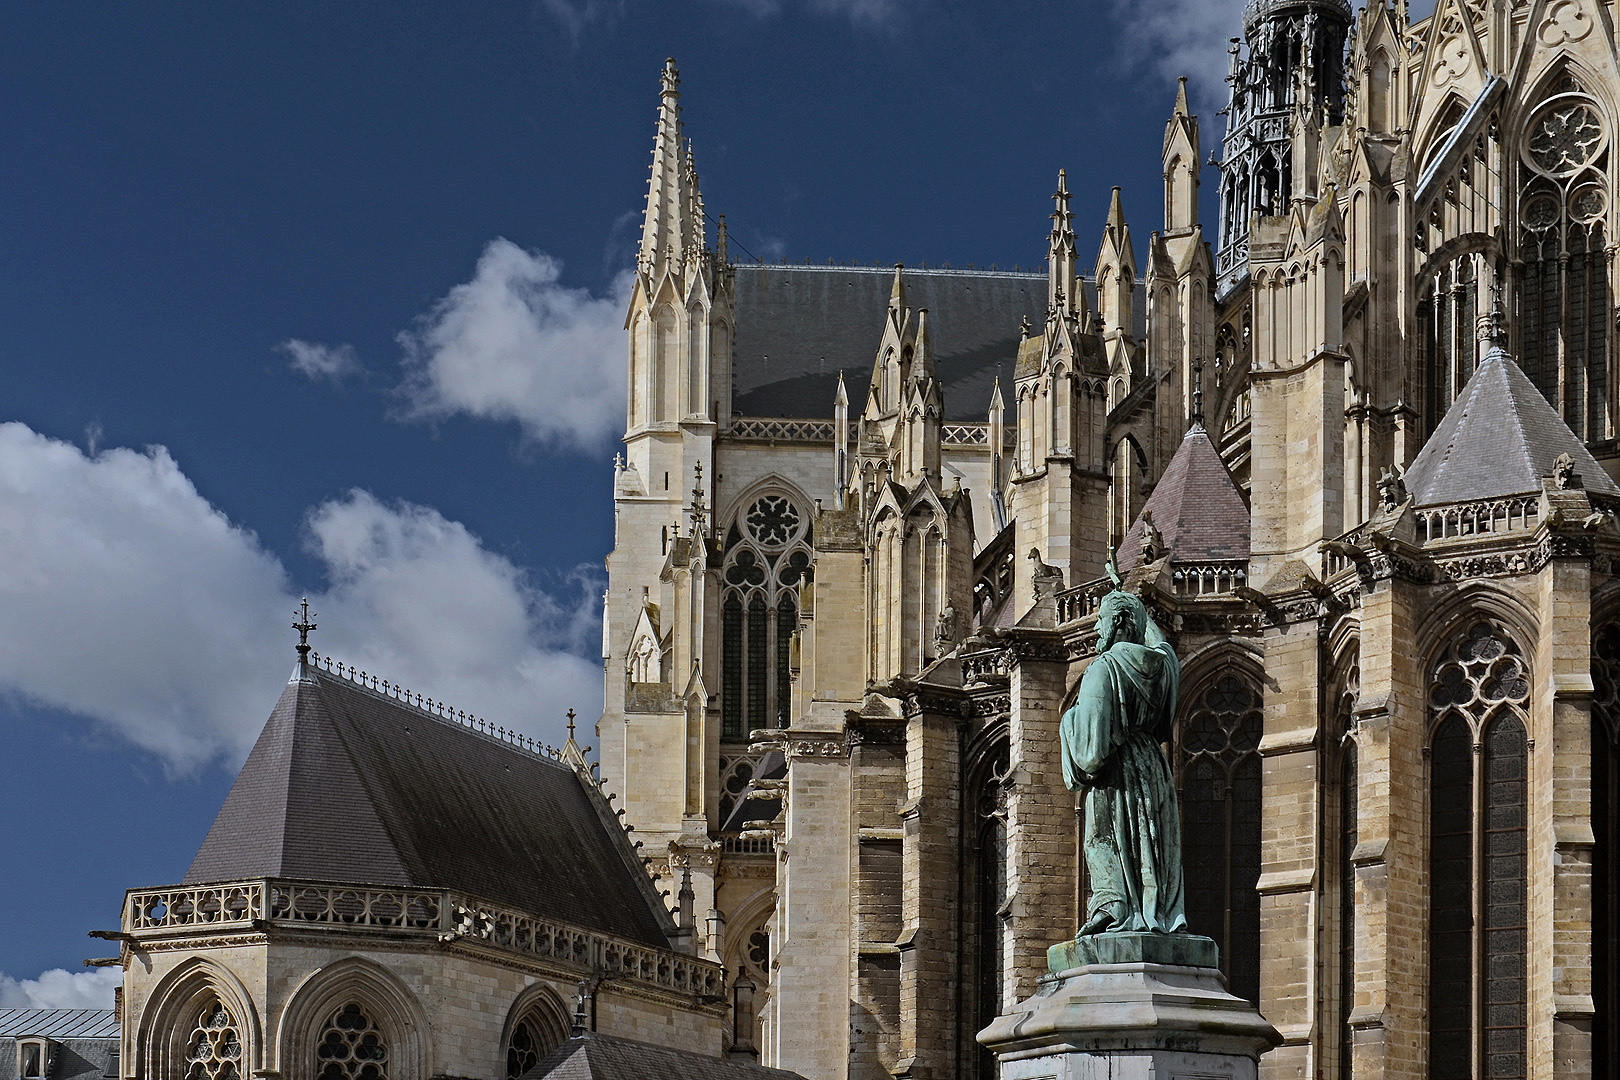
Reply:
x=1292, y=54
x=652, y=733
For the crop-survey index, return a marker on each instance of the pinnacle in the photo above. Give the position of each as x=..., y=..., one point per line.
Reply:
x=897, y=295
x=1181, y=97
x=1116, y=211
x=842, y=397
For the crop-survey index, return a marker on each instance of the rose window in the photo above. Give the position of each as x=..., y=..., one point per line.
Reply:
x=214, y=1051
x=773, y=520
x=1564, y=138
x=351, y=1047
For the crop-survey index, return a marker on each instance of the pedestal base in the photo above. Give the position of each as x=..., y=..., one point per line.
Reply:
x=1131, y=1007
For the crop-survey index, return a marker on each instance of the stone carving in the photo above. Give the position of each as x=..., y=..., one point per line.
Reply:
x=1564, y=475
x=1047, y=579
x=1110, y=742
x=1152, y=542
x=1391, y=489
x=945, y=630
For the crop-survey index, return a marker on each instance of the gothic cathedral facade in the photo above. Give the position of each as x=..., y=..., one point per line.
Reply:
x=1356, y=446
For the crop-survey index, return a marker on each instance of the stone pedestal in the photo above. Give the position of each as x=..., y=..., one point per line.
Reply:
x=1131, y=1007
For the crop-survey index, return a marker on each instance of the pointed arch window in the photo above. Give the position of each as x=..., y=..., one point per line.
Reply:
x=1478, y=753
x=1218, y=770
x=767, y=557
x=1343, y=812
x=1563, y=284
x=541, y=1027
x=214, y=1050
x=351, y=1047
x=1606, y=848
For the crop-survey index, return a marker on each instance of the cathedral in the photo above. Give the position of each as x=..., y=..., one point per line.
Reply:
x=1354, y=446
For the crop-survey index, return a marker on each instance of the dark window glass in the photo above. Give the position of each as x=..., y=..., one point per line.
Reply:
x=758, y=666
x=1451, y=896
x=731, y=649
x=787, y=621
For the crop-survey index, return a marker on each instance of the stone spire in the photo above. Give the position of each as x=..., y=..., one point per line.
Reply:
x=673, y=226
x=1116, y=272
x=997, y=422
x=1063, y=280
x=840, y=443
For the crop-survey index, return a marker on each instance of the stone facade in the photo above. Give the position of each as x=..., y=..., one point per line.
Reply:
x=1397, y=749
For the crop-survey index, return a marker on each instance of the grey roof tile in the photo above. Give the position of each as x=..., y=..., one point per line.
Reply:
x=595, y=1056
x=1500, y=437
x=348, y=785
x=797, y=326
x=1198, y=510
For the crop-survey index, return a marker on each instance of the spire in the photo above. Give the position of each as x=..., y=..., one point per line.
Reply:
x=1116, y=272
x=1116, y=212
x=922, y=359
x=897, y=295
x=840, y=443
x=1181, y=98
x=673, y=225
x=997, y=437
x=1062, y=278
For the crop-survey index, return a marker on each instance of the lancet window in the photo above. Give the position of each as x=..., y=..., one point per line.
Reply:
x=351, y=1047
x=1605, y=816
x=1218, y=770
x=1478, y=796
x=984, y=950
x=767, y=557
x=214, y=1050
x=1448, y=313
x=1563, y=283
x=1342, y=815
x=541, y=1028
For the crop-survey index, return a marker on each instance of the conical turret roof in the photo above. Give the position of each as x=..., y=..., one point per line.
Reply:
x=1198, y=510
x=1499, y=438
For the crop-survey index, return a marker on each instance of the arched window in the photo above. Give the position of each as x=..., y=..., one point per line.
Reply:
x=1606, y=850
x=1342, y=815
x=1563, y=288
x=1479, y=688
x=541, y=1025
x=1448, y=311
x=351, y=1047
x=767, y=557
x=1218, y=770
x=214, y=1049
x=984, y=953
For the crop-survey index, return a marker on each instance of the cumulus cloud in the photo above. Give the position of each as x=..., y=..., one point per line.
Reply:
x=513, y=344
x=316, y=361
x=1184, y=37
x=135, y=603
x=59, y=989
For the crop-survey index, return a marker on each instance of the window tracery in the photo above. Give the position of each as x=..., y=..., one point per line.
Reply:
x=767, y=557
x=351, y=1047
x=214, y=1049
x=1562, y=282
x=1346, y=813
x=540, y=1029
x=1479, y=688
x=1218, y=768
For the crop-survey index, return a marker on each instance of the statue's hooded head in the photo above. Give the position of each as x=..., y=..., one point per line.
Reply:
x=1121, y=617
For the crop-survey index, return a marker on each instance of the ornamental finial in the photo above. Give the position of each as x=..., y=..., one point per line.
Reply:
x=304, y=625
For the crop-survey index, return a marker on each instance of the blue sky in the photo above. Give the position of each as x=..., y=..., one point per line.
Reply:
x=313, y=299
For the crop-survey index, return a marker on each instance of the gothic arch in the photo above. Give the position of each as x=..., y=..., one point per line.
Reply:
x=538, y=1022
x=166, y=1022
x=767, y=556
x=1485, y=599
x=393, y=1008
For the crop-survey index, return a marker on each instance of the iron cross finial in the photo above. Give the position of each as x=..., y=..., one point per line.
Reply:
x=570, y=725
x=1198, y=392
x=304, y=625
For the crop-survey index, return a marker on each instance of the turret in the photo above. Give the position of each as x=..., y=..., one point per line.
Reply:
x=1116, y=290
x=1181, y=165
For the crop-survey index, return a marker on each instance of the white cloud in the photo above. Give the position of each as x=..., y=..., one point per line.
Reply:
x=514, y=344
x=1185, y=37
x=133, y=602
x=317, y=361
x=867, y=14
x=59, y=989
x=576, y=15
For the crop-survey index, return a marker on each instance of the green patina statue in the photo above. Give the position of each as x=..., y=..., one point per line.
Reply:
x=1111, y=749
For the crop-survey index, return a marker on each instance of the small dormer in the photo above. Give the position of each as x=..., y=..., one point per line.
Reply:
x=35, y=1054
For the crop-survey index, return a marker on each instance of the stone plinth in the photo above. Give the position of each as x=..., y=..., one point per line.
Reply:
x=1131, y=1007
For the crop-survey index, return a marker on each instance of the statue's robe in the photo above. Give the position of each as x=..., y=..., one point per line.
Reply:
x=1111, y=749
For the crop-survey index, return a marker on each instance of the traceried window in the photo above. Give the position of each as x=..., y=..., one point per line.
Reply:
x=1563, y=286
x=767, y=557
x=1344, y=812
x=1218, y=769
x=351, y=1047
x=214, y=1050
x=1478, y=797
x=1605, y=813
x=1448, y=311
x=535, y=1034
x=984, y=954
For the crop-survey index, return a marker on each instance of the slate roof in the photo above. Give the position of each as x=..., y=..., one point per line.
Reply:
x=594, y=1056
x=1198, y=510
x=797, y=326
x=59, y=1024
x=1500, y=437
x=347, y=785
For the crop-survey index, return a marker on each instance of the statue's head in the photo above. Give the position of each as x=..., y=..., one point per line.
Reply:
x=1121, y=617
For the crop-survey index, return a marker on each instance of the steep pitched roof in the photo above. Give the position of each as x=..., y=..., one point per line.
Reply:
x=594, y=1056
x=797, y=326
x=1198, y=510
x=1500, y=437
x=349, y=785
